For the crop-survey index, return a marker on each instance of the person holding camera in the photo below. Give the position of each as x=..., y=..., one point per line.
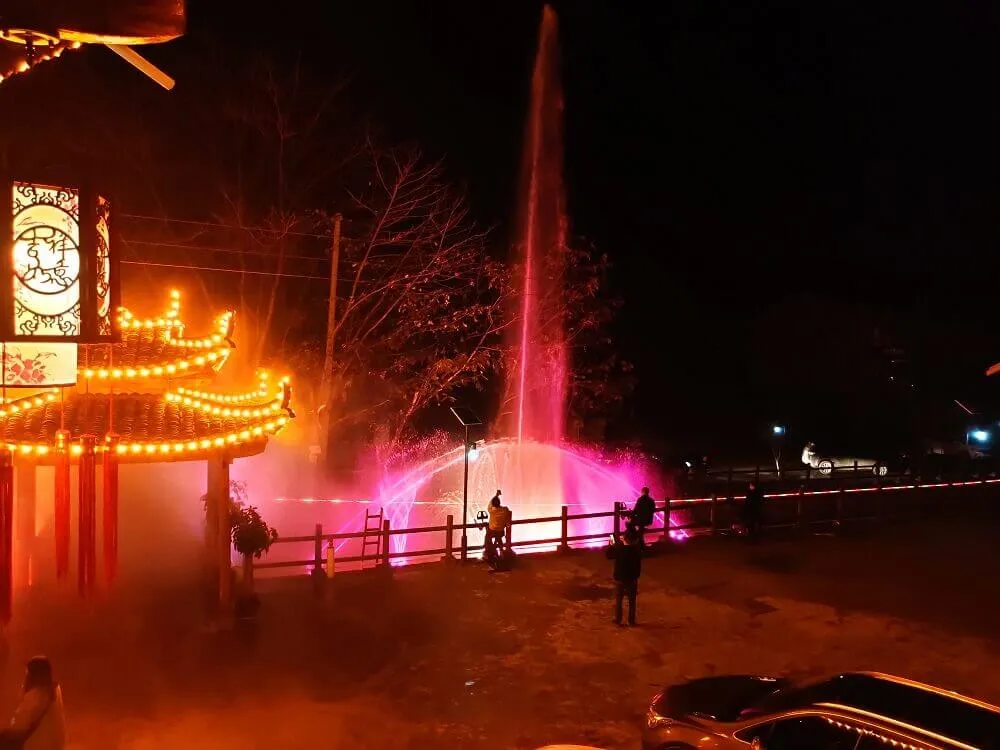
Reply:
x=627, y=554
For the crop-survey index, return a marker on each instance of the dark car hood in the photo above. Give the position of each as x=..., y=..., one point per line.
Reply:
x=719, y=698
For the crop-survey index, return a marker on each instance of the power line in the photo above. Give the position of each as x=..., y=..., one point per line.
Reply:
x=214, y=249
x=226, y=270
x=193, y=222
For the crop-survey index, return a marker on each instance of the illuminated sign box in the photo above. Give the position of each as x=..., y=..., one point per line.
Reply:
x=58, y=265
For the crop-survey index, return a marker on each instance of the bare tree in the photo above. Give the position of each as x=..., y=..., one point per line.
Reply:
x=285, y=163
x=421, y=301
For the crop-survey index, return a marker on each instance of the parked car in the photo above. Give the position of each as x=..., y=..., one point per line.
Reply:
x=829, y=464
x=854, y=711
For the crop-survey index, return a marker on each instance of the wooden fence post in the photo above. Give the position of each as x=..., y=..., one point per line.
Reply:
x=798, y=506
x=711, y=514
x=509, y=530
x=564, y=544
x=385, y=542
x=666, y=520
x=618, y=518
x=318, y=551
x=878, y=496
x=449, y=533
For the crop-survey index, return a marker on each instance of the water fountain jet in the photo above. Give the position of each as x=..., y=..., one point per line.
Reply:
x=538, y=471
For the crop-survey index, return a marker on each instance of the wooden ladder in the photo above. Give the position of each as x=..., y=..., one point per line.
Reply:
x=371, y=538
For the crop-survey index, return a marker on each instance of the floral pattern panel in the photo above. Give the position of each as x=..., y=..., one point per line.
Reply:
x=39, y=365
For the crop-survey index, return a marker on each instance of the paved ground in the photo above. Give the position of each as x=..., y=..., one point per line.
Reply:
x=445, y=657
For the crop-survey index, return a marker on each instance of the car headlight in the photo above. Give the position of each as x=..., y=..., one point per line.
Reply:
x=655, y=721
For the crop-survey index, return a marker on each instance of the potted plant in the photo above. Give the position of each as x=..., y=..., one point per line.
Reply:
x=252, y=537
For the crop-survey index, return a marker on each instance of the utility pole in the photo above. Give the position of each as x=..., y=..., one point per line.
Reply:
x=326, y=384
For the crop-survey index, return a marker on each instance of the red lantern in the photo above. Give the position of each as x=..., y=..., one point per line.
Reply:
x=87, y=552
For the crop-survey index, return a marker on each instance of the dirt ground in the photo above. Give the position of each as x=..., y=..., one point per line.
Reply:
x=454, y=657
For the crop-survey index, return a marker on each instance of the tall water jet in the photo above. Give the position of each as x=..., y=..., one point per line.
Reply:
x=537, y=470
x=537, y=374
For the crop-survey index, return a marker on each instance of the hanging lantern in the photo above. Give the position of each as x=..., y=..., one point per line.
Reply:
x=57, y=263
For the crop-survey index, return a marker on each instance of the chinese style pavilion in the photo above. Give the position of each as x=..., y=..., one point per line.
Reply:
x=87, y=384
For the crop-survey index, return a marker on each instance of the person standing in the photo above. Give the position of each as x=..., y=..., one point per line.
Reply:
x=39, y=722
x=627, y=555
x=642, y=514
x=499, y=520
x=753, y=509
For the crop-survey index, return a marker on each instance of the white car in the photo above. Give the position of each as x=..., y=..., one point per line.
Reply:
x=826, y=465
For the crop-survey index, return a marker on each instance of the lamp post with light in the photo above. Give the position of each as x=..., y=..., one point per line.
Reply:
x=777, y=432
x=467, y=418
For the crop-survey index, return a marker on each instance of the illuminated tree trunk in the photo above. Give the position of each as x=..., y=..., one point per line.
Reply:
x=248, y=573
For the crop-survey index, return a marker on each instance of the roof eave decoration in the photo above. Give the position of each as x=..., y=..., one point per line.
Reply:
x=192, y=356
x=266, y=412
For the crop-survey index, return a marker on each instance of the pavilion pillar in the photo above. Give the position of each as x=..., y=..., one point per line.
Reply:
x=25, y=514
x=218, y=536
x=87, y=544
x=61, y=511
x=6, y=536
x=109, y=487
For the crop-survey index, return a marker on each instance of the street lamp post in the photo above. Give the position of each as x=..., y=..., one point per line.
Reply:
x=777, y=432
x=467, y=418
x=465, y=500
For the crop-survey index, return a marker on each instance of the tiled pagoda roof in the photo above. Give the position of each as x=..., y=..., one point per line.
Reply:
x=176, y=426
x=169, y=423
x=157, y=348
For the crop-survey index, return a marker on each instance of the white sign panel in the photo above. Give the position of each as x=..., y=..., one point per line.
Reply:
x=38, y=365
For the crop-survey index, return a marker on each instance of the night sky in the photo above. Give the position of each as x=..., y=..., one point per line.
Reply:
x=787, y=190
x=761, y=174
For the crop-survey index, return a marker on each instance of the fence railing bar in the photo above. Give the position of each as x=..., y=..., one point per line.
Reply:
x=546, y=519
x=419, y=553
x=786, y=493
x=422, y=530
x=584, y=537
